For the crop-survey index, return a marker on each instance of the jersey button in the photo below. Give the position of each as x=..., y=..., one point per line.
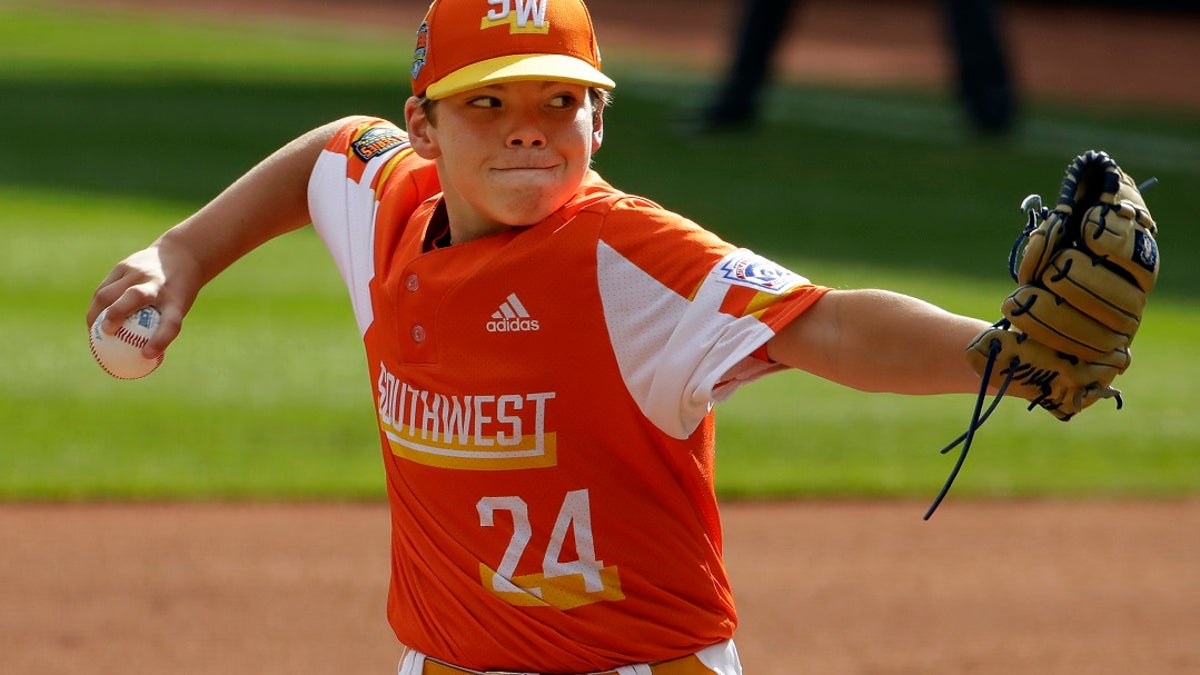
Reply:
x=418, y=333
x=411, y=283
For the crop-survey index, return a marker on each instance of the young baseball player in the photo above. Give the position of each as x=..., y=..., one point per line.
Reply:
x=545, y=351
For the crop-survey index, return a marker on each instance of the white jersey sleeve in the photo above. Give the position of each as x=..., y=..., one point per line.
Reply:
x=680, y=353
x=344, y=193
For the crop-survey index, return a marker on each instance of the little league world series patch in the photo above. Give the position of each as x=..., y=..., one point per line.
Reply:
x=744, y=268
x=420, y=52
x=376, y=141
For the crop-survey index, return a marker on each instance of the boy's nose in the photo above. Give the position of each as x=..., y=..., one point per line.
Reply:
x=526, y=139
x=526, y=134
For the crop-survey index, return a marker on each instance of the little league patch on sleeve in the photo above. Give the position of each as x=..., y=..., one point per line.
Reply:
x=376, y=141
x=747, y=269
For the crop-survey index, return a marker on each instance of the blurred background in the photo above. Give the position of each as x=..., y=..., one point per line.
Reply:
x=863, y=163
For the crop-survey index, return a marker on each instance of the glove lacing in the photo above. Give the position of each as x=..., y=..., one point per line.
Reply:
x=1032, y=205
x=978, y=416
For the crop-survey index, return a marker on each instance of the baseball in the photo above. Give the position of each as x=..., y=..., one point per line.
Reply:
x=120, y=355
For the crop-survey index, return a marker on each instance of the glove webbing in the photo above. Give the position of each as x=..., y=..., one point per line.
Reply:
x=1037, y=213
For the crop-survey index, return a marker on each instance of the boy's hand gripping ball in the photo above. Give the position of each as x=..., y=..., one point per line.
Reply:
x=120, y=355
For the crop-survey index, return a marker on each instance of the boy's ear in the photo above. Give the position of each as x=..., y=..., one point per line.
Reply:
x=420, y=129
x=597, y=133
x=597, y=123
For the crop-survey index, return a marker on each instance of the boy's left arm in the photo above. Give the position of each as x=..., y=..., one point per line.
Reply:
x=875, y=340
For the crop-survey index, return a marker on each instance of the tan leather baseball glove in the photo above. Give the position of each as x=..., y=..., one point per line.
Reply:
x=1083, y=277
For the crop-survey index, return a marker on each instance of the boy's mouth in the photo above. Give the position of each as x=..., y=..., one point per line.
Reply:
x=527, y=167
x=526, y=172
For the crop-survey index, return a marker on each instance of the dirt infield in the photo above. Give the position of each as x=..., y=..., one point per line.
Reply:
x=834, y=588
x=830, y=588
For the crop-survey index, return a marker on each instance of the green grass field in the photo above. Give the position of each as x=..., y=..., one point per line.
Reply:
x=118, y=125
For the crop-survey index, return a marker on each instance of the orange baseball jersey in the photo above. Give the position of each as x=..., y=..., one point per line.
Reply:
x=544, y=398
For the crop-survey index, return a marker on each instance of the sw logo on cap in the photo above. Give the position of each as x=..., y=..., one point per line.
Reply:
x=541, y=40
x=521, y=16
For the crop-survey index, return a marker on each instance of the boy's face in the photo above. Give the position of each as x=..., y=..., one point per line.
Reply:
x=508, y=154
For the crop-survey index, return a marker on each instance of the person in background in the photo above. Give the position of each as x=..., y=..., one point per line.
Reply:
x=983, y=77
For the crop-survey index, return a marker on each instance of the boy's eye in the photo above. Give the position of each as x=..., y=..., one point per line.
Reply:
x=485, y=102
x=562, y=101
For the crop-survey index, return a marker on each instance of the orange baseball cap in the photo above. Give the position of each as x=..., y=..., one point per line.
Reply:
x=464, y=44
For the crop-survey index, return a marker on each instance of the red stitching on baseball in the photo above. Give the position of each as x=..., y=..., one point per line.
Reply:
x=96, y=355
x=129, y=338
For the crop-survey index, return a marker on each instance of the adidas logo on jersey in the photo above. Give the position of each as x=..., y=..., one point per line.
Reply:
x=512, y=317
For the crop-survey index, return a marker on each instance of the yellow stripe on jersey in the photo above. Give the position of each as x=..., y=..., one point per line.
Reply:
x=382, y=177
x=561, y=592
x=478, y=454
